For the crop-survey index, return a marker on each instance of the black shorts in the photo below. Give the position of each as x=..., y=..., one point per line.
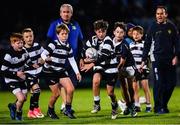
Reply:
x=98, y=69
x=110, y=78
x=143, y=75
x=31, y=80
x=17, y=85
x=53, y=78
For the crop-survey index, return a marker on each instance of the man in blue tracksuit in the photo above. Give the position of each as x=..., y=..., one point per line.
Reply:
x=75, y=36
x=162, y=43
x=75, y=39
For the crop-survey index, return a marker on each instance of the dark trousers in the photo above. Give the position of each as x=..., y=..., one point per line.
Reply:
x=164, y=83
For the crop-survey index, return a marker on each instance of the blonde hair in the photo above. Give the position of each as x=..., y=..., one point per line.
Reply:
x=62, y=27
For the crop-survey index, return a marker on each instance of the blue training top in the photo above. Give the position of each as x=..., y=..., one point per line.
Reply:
x=75, y=34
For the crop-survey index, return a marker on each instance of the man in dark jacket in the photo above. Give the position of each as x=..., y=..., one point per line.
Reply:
x=162, y=43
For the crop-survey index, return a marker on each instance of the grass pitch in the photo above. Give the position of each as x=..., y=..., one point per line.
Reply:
x=82, y=104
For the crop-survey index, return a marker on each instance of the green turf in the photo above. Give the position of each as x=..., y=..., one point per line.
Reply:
x=82, y=104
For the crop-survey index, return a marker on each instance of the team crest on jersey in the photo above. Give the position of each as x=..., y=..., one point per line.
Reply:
x=16, y=59
x=169, y=31
x=74, y=27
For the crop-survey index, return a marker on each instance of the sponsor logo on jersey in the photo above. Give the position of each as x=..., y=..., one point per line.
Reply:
x=169, y=31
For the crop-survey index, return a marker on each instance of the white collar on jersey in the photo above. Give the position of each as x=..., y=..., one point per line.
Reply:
x=116, y=43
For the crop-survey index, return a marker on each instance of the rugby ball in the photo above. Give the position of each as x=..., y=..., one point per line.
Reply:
x=91, y=53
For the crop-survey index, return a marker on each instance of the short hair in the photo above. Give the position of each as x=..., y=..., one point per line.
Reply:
x=27, y=30
x=14, y=37
x=100, y=24
x=119, y=24
x=66, y=5
x=162, y=7
x=62, y=27
x=139, y=29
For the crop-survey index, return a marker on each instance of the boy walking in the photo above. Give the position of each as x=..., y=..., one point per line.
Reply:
x=136, y=48
x=14, y=62
x=34, y=50
x=55, y=57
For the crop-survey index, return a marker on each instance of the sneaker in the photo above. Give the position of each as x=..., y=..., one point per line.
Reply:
x=133, y=111
x=31, y=114
x=52, y=114
x=64, y=109
x=96, y=108
x=69, y=114
x=137, y=109
x=19, y=116
x=122, y=105
x=162, y=111
x=114, y=114
x=12, y=110
x=37, y=112
x=148, y=109
x=126, y=111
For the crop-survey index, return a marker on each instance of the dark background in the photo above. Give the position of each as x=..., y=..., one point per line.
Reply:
x=37, y=14
x=15, y=15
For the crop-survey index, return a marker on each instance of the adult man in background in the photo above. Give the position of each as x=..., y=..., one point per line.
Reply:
x=162, y=43
x=75, y=40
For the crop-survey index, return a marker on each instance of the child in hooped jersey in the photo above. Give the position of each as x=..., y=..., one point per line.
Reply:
x=55, y=56
x=34, y=50
x=137, y=50
x=104, y=68
x=15, y=61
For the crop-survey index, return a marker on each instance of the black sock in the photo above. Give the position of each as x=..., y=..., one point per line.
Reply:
x=68, y=107
x=114, y=105
x=31, y=107
x=36, y=94
x=19, y=113
x=50, y=109
x=36, y=100
x=97, y=102
x=113, y=98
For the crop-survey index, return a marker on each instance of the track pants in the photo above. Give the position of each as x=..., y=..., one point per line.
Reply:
x=164, y=83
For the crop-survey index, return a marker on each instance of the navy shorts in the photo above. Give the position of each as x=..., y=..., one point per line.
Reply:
x=17, y=86
x=53, y=78
x=110, y=78
x=143, y=75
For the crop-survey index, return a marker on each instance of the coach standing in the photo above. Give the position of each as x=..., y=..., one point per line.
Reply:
x=75, y=37
x=162, y=43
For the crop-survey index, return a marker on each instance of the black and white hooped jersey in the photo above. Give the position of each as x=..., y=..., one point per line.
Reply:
x=34, y=54
x=137, y=52
x=14, y=61
x=58, y=52
x=122, y=50
x=105, y=50
x=95, y=43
